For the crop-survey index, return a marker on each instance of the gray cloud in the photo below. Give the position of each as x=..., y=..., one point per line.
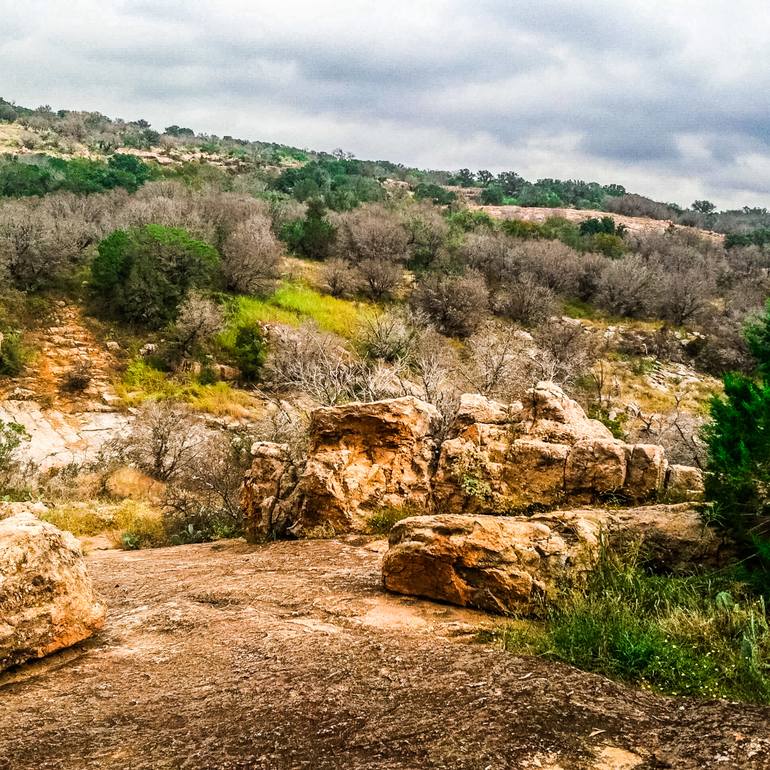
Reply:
x=665, y=100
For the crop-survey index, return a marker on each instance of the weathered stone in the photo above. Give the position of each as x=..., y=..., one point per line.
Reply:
x=362, y=457
x=262, y=488
x=684, y=482
x=595, y=467
x=548, y=414
x=47, y=601
x=498, y=459
x=35, y=508
x=646, y=471
x=475, y=408
x=672, y=538
x=495, y=563
x=511, y=564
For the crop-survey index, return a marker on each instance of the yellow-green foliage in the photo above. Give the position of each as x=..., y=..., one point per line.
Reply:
x=294, y=303
x=142, y=382
x=129, y=524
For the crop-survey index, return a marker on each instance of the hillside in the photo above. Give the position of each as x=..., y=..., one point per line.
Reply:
x=364, y=457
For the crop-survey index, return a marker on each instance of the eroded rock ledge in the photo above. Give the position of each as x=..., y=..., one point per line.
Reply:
x=544, y=453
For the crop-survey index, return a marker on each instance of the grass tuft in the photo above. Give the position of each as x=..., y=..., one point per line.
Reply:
x=703, y=636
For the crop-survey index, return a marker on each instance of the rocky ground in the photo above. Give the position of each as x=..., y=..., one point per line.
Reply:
x=289, y=655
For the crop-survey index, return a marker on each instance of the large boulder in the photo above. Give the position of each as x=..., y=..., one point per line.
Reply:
x=518, y=458
x=47, y=601
x=495, y=563
x=513, y=564
x=361, y=458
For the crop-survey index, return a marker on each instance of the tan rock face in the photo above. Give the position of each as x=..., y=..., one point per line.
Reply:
x=495, y=563
x=362, y=457
x=498, y=459
x=47, y=601
x=269, y=475
x=684, y=483
x=513, y=564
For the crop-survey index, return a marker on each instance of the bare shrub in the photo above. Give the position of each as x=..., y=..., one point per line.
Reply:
x=340, y=278
x=456, y=304
x=566, y=350
x=199, y=320
x=552, y=263
x=525, y=301
x=202, y=497
x=626, y=287
x=250, y=256
x=165, y=439
x=489, y=254
x=380, y=277
x=389, y=336
x=372, y=232
x=498, y=363
x=317, y=363
x=589, y=276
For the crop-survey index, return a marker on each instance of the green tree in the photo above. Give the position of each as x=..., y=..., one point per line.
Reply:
x=704, y=207
x=312, y=237
x=142, y=275
x=757, y=336
x=738, y=442
x=250, y=351
x=492, y=195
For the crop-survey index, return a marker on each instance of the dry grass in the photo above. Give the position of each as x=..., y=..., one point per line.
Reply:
x=129, y=524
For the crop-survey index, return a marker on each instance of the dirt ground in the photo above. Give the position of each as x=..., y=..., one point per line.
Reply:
x=233, y=657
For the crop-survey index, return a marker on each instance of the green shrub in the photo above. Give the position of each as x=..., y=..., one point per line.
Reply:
x=699, y=636
x=312, y=237
x=142, y=275
x=433, y=192
x=12, y=354
x=250, y=351
x=493, y=195
x=383, y=520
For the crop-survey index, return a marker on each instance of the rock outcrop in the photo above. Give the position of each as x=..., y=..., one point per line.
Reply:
x=495, y=563
x=47, y=601
x=361, y=458
x=498, y=458
x=512, y=564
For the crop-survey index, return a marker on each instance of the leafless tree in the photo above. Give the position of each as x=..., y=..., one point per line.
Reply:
x=340, y=278
x=250, y=256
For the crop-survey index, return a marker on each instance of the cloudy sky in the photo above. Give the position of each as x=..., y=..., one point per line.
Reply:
x=671, y=99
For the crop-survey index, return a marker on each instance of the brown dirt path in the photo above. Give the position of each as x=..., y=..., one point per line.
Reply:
x=233, y=657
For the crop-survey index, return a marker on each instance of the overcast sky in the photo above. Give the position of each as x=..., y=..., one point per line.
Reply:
x=671, y=99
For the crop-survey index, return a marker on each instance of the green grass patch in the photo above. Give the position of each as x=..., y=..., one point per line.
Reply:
x=383, y=520
x=704, y=636
x=292, y=304
x=129, y=524
x=142, y=382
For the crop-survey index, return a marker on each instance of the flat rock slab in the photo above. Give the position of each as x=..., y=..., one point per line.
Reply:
x=232, y=657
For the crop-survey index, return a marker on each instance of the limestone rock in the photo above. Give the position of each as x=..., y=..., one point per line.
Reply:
x=498, y=459
x=36, y=508
x=262, y=488
x=672, y=538
x=646, y=471
x=475, y=408
x=495, y=563
x=595, y=467
x=362, y=457
x=684, y=483
x=47, y=601
x=512, y=564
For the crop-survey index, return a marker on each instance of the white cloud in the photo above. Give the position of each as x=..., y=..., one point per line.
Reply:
x=667, y=100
